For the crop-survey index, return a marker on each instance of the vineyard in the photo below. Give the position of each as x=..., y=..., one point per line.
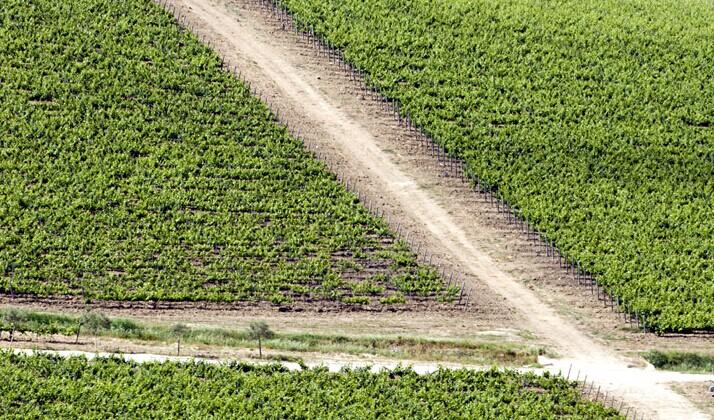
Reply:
x=49, y=386
x=134, y=167
x=593, y=120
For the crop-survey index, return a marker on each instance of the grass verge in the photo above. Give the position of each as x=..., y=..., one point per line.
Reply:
x=43, y=324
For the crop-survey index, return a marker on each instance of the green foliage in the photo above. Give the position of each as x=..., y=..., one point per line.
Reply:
x=179, y=330
x=685, y=362
x=17, y=320
x=450, y=295
x=126, y=328
x=369, y=287
x=13, y=316
x=95, y=322
x=259, y=330
x=356, y=300
x=49, y=386
x=395, y=298
x=134, y=167
x=595, y=119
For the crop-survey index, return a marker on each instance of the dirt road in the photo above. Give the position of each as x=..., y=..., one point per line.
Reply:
x=247, y=40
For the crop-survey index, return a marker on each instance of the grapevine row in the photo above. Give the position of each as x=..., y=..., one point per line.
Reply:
x=452, y=166
x=137, y=169
x=50, y=386
x=645, y=305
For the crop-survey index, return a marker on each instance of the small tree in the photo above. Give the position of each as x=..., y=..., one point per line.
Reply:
x=93, y=322
x=178, y=331
x=259, y=330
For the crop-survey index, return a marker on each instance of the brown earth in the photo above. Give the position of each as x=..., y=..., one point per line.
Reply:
x=698, y=392
x=507, y=247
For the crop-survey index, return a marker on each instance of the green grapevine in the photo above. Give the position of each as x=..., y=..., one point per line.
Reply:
x=594, y=119
x=134, y=167
x=44, y=386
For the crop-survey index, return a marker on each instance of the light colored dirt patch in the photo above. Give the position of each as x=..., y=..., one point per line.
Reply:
x=507, y=247
x=331, y=118
x=273, y=70
x=698, y=392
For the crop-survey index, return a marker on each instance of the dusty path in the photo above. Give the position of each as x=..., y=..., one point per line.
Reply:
x=282, y=75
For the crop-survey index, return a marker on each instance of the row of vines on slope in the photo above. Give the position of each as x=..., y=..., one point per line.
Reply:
x=134, y=167
x=596, y=126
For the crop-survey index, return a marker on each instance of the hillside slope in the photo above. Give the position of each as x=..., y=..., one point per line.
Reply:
x=594, y=119
x=134, y=167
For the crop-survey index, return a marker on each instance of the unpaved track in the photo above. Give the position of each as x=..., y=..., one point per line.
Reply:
x=242, y=33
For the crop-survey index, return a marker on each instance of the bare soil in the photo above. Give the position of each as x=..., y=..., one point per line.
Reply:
x=698, y=392
x=361, y=162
